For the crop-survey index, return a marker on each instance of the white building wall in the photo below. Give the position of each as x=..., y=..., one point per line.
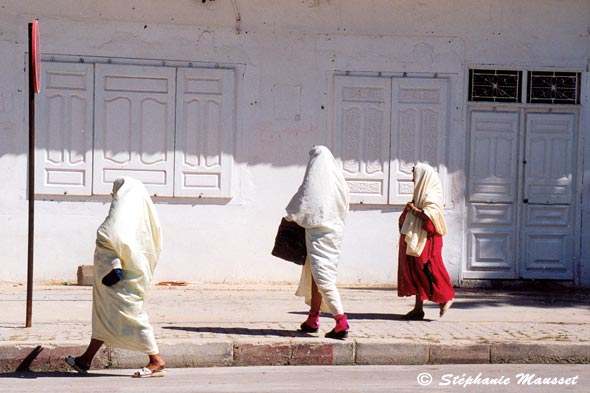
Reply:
x=279, y=49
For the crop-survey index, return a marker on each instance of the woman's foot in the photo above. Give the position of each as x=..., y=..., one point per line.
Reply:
x=78, y=364
x=156, y=365
x=444, y=307
x=304, y=327
x=340, y=331
x=147, y=373
x=312, y=323
x=414, y=315
x=155, y=368
x=337, y=335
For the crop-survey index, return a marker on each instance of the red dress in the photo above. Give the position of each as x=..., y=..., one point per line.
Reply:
x=425, y=275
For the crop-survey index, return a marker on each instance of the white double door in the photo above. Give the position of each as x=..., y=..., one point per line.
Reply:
x=523, y=219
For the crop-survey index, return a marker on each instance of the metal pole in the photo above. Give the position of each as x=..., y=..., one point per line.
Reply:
x=31, y=185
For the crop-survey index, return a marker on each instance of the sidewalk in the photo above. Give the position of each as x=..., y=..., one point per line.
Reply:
x=202, y=325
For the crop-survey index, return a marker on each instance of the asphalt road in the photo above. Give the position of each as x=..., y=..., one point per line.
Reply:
x=448, y=378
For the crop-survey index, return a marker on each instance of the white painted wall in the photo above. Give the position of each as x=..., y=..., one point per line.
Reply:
x=276, y=43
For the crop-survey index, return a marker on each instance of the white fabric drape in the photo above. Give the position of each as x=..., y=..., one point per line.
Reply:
x=129, y=236
x=320, y=206
x=428, y=197
x=323, y=197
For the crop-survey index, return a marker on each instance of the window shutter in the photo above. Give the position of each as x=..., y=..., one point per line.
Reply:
x=134, y=133
x=63, y=121
x=419, y=132
x=205, y=125
x=362, y=127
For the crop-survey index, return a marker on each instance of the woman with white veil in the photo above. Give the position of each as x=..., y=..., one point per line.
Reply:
x=421, y=270
x=128, y=245
x=320, y=206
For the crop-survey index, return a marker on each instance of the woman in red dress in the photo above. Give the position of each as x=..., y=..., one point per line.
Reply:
x=421, y=270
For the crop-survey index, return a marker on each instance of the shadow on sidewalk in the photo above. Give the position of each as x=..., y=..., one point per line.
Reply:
x=361, y=315
x=57, y=374
x=240, y=331
x=471, y=299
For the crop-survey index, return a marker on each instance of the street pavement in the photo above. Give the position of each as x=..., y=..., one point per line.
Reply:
x=312, y=379
x=215, y=325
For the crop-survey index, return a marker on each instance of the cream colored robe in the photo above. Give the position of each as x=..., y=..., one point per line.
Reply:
x=320, y=206
x=129, y=238
x=428, y=196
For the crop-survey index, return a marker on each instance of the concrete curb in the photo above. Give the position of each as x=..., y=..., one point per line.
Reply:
x=223, y=353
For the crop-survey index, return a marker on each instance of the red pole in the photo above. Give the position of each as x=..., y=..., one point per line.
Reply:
x=31, y=185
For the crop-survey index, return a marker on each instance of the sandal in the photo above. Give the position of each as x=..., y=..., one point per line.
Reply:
x=445, y=307
x=307, y=329
x=414, y=316
x=145, y=372
x=333, y=334
x=73, y=362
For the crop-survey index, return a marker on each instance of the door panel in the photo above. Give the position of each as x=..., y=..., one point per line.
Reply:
x=548, y=254
x=134, y=126
x=549, y=156
x=548, y=229
x=492, y=195
x=492, y=238
x=493, y=157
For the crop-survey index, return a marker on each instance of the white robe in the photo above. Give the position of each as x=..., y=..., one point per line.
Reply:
x=320, y=206
x=428, y=197
x=129, y=238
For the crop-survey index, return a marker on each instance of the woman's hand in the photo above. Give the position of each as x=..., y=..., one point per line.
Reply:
x=413, y=208
x=113, y=277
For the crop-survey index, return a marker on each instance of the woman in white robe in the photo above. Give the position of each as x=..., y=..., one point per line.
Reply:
x=128, y=245
x=320, y=206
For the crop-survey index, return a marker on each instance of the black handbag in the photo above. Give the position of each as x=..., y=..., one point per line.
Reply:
x=290, y=242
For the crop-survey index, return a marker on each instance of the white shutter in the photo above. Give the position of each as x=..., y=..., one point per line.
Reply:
x=362, y=128
x=134, y=126
x=419, y=132
x=493, y=156
x=205, y=132
x=63, y=122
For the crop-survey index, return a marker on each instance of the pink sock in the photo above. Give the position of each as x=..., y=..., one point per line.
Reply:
x=313, y=319
x=341, y=323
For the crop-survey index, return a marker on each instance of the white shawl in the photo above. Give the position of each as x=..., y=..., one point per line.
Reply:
x=323, y=197
x=428, y=197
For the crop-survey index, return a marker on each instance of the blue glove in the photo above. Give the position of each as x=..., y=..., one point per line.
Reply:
x=113, y=277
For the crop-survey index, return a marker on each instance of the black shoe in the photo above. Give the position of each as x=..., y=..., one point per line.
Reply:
x=79, y=367
x=414, y=316
x=337, y=335
x=307, y=329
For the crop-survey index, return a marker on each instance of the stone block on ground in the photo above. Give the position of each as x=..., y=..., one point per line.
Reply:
x=85, y=275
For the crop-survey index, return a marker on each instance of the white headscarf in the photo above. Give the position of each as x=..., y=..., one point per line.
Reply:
x=132, y=229
x=428, y=197
x=323, y=195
